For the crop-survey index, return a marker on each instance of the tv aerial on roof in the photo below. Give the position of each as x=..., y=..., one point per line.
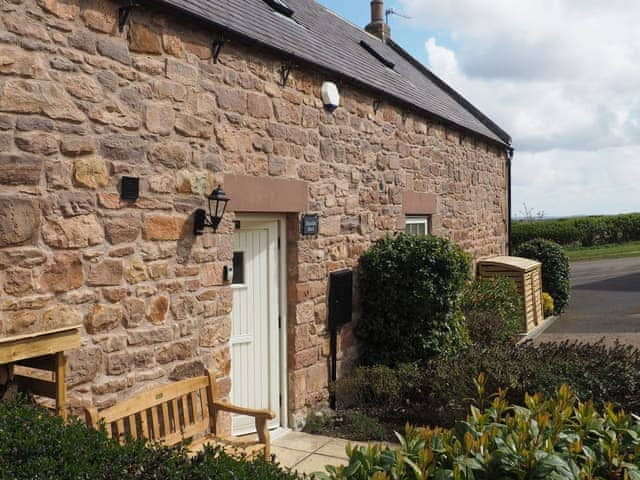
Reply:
x=390, y=11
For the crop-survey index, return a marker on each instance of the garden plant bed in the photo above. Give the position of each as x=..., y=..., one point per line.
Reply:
x=439, y=392
x=356, y=424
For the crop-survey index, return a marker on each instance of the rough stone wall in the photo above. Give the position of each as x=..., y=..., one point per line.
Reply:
x=82, y=104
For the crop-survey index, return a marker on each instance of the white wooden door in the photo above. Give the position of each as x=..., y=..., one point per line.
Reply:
x=255, y=353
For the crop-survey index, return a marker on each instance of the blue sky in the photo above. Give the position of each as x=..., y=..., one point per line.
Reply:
x=561, y=77
x=411, y=36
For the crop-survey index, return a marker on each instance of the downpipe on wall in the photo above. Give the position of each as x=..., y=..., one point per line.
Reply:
x=509, y=161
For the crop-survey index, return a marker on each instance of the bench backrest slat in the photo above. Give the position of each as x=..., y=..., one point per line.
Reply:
x=165, y=420
x=168, y=414
x=133, y=427
x=175, y=416
x=152, y=398
x=155, y=423
x=194, y=405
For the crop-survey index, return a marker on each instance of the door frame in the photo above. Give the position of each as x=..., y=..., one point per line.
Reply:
x=282, y=301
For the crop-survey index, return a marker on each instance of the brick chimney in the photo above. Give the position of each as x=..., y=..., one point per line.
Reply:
x=378, y=26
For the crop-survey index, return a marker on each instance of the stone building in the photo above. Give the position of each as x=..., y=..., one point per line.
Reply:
x=188, y=95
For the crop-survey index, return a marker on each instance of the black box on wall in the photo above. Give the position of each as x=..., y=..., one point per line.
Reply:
x=340, y=298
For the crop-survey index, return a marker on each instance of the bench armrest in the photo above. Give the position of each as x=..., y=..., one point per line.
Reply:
x=92, y=417
x=261, y=417
x=251, y=412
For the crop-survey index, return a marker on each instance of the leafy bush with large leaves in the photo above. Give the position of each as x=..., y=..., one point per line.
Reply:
x=558, y=438
x=438, y=391
x=555, y=269
x=410, y=290
x=37, y=445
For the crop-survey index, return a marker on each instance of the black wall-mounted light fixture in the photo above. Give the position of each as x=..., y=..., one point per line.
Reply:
x=217, y=206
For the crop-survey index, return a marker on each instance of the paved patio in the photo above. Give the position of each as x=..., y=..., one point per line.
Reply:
x=308, y=453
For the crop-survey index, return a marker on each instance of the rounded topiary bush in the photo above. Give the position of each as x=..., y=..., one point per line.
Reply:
x=410, y=289
x=555, y=269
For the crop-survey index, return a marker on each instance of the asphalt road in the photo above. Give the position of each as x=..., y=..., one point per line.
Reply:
x=605, y=303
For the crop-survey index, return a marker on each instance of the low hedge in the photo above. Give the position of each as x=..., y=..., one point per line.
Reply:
x=556, y=438
x=555, y=270
x=36, y=445
x=437, y=391
x=563, y=232
x=582, y=231
x=410, y=290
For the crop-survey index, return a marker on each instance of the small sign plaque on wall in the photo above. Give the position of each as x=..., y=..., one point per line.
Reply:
x=309, y=224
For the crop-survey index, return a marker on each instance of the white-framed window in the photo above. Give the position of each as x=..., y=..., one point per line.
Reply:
x=417, y=225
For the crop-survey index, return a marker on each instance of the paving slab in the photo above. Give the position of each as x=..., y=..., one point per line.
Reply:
x=317, y=463
x=309, y=453
x=287, y=456
x=335, y=448
x=302, y=441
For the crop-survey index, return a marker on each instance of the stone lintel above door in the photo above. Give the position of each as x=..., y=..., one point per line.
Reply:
x=266, y=195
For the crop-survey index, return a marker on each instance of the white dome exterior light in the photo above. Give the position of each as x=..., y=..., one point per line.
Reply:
x=330, y=96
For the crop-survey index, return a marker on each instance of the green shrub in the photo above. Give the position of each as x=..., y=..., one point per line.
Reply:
x=364, y=427
x=378, y=385
x=547, y=304
x=37, y=445
x=585, y=231
x=487, y=328
x=557, y=438
x=410, y=297
x=437, y=391
x=493, y=310
x=555, y=269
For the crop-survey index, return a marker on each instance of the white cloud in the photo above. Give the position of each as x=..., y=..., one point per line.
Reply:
x=569, y=182
x=562, y=77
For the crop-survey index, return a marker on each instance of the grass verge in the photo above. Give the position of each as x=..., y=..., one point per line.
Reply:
x=615, y=250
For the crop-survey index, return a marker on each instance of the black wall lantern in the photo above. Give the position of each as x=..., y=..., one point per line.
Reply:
x=217, y=206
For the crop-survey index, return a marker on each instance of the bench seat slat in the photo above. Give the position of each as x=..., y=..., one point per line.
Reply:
x=230, y=446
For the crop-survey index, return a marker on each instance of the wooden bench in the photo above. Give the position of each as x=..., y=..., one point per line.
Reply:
x=179, y=411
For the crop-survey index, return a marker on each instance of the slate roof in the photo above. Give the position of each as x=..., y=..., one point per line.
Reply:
x=317, y=36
